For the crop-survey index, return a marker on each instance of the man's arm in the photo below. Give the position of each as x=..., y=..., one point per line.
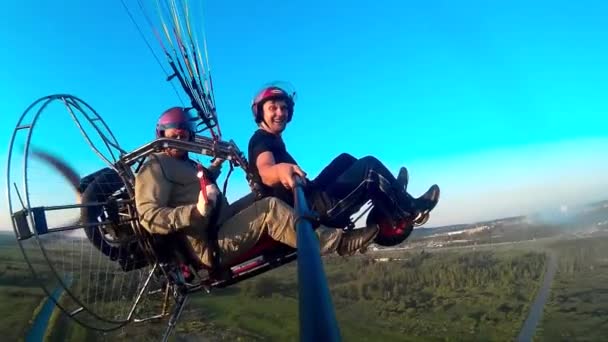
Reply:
x=268, y=169
x=273, y=174
x=152, y=191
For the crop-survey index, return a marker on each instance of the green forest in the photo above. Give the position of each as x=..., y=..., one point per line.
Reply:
x=416, y=295
x=458, y=295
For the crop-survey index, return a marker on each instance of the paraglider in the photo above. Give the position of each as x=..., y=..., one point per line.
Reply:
x=108, y=282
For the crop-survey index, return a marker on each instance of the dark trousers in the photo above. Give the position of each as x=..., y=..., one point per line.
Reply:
x=347, y=183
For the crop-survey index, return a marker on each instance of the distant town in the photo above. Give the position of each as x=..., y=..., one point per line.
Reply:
x=583, y=221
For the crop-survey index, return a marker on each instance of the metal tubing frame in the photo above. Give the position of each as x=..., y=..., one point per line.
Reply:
x=316, y=310
x=21, y=126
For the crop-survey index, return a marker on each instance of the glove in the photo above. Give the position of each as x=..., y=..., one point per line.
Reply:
x=205, y=207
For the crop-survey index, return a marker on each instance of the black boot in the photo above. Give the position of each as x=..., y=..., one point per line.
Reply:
x=356, y=240
x=418, y=207
x=428, y=200
x=403, y=177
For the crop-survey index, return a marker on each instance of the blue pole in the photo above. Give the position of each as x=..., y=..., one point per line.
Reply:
x=317, y=317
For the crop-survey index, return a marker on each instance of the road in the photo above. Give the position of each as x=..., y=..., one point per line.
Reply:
x=536, y=310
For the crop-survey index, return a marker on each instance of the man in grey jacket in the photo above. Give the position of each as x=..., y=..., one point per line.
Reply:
x=169, y=199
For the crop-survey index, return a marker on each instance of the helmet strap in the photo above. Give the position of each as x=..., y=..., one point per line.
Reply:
x=264, y=123
x=260, y=115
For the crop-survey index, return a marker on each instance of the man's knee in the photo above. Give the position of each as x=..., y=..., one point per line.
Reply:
x=275, y=205
x=346, y=157
x=371, y=161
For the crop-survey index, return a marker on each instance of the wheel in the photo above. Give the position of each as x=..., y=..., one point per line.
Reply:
x=390, y=234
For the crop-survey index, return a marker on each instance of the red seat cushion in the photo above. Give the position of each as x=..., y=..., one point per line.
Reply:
x=265, y=243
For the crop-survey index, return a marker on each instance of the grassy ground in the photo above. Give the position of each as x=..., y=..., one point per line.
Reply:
x=431, y=297
x=424, y=296
x=578, y=306
x=19, y=293
x=462, y=294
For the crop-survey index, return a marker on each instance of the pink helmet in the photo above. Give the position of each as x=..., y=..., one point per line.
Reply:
x=272, y=92
x=175, y=117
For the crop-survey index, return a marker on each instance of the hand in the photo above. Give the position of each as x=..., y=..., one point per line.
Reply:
x=217, y=162
x=205, y=207
x=286, y=173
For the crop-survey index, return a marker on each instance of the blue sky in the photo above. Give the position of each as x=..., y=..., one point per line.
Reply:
x=500, y=103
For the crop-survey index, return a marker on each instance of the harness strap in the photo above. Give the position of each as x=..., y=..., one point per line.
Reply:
x=228, y=177
x=213, y=227
x=203, y=180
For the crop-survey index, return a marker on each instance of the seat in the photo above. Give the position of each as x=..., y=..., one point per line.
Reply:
x=99, y=190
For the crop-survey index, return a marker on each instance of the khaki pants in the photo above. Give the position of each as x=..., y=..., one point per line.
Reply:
x=241, y=232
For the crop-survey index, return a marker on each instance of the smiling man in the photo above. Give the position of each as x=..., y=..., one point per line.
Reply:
x=342, y=187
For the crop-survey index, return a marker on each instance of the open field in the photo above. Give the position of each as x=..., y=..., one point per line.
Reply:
x=578, y=306
x=476, y=291
x=20, y=294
